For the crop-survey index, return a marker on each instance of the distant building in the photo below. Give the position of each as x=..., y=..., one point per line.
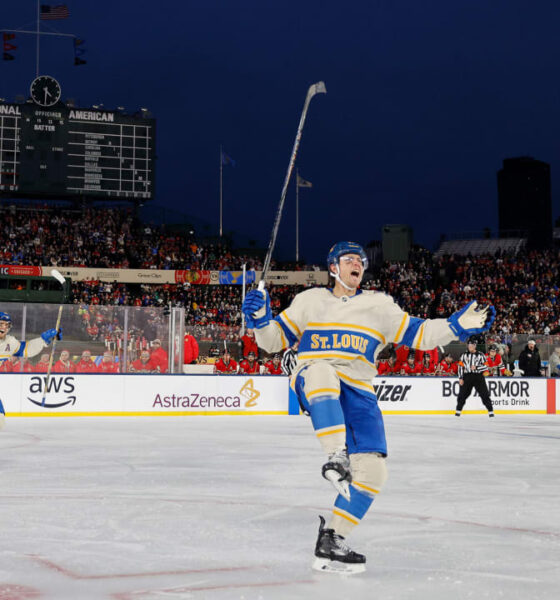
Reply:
x=524, y=200
x=396, y=242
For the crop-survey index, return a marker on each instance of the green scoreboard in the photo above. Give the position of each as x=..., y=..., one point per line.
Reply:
x=51, y=150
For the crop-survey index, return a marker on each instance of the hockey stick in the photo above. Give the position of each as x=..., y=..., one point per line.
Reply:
x=316, y=88
x=58, y=276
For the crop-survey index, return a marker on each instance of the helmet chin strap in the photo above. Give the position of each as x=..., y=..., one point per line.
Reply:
x=336, y=275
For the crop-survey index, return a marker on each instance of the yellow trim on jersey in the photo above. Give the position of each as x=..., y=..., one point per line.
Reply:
x=356, y=382
x=330, y=431
x=290, y=323
x=345, y=515
x=322, y=391
x=419, y=335
x=365, y=487
x=374, y=332
x=282, y=336
x=310, y=355
x=401, y=328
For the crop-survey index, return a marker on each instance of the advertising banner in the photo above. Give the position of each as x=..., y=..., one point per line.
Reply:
x=438, y=395
x=143, y=395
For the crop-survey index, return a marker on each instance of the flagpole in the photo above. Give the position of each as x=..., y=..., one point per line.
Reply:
x=221, y=186
x=297, y=215
x=38, y=37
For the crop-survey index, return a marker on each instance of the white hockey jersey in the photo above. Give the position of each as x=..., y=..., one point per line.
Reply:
x=11, y=346
x=349, y=331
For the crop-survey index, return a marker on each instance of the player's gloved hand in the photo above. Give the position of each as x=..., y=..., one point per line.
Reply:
x=256, y=308
x=471, y=320
x=337, y=471
x=49, y=335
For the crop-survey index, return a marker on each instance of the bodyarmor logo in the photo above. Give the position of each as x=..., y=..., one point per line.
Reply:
x=58, y=386
x=248, y=391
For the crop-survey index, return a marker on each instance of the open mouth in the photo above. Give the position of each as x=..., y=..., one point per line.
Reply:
x=355, y=273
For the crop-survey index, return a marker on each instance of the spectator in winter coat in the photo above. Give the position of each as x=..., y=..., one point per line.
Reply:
x=554, y=362
x=530, y=360
x=190, y=349
x=159, y=356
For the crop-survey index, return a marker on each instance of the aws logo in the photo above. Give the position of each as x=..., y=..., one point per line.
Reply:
x=59, y=392
x=248, y=391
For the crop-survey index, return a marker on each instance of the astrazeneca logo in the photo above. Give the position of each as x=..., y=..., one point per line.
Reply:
x=248, y=391
x=60, y=392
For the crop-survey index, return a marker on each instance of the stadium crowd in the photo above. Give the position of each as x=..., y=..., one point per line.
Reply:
x=523, y=287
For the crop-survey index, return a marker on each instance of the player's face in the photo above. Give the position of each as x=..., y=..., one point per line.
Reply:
x=64, y=355
x=351, y=270
x=4, y=328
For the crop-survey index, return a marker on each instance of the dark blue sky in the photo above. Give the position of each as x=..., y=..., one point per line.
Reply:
x=425, y=100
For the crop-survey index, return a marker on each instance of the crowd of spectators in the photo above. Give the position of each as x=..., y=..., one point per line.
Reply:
x=523, y=287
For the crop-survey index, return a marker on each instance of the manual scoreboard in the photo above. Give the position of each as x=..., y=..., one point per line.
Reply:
x=52, y=150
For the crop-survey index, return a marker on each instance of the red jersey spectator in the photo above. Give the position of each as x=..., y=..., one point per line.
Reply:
x=7, y=366
x=226, y=364
x=190, y=349
x=144, y=364
x=427, y=366
x=250, y=365
x=86, y=364
x=388, y=367
x=494, y=361
x=402, y=353
x=273, y=366
x=411, y=367
x=43, y=365
x=107, y=365
x=447, y=367
x=249, y=344
x=22, y=366
x=64, y=364
x=159, y=356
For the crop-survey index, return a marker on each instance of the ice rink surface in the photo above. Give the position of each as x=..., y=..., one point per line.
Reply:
x=227, y=507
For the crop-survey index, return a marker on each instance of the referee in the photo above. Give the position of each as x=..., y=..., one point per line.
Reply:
x=472, y=365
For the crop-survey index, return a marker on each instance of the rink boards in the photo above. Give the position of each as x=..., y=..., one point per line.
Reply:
x=191, y=395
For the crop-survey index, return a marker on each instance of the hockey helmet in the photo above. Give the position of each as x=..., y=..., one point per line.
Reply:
x=342, y=248
x=5, y=321
x=492, y=347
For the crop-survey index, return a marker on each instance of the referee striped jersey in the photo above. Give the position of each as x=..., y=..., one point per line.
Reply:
x=472, y=362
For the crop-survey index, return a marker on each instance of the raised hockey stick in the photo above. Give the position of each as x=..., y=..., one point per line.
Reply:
x=316, y=88
x=58, y=276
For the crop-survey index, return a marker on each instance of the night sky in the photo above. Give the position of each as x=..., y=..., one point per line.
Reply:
x=425, y=99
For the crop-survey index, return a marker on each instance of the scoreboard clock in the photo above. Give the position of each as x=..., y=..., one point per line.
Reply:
x=51, y=150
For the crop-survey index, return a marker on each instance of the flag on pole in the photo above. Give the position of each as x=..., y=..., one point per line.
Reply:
x=227, y=160
x=78, y=51
x=53, y=13
x=8, y=46
x=301, y=182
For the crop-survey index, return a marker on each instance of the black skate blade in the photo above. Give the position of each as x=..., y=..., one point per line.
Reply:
x=325, y=565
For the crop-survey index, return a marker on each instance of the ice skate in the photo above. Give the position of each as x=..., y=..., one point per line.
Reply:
x=457, y=413
x=334, y=556
x=490, y=413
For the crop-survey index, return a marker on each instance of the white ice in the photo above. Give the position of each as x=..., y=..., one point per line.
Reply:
x=227, y=507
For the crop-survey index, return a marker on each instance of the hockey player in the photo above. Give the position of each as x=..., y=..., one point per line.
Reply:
x=341, y=329
x=273, y=366
x=10, y=346
x=250, y=365
x=494, y=362
x=226, y=364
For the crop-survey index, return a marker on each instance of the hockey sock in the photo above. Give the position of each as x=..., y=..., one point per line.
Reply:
x=328, y=419
x=346, y=515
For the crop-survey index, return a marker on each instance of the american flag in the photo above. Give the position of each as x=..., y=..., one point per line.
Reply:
x=51, y=13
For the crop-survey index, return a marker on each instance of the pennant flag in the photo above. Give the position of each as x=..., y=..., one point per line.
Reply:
x=303, y=183
x=8, y=36
x=227, y=160
x=8, y=56
x=53, y=13
x=8, y=46
x=79, y=52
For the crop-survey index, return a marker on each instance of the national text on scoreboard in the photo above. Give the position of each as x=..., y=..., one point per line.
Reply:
x=72, y=152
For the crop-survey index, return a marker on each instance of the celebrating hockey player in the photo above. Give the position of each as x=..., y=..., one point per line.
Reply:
x=341, y=329
x=10, y=346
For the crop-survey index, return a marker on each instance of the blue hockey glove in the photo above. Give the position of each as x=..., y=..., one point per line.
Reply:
x=256, y=308
x=49, y=335
x=471, y=320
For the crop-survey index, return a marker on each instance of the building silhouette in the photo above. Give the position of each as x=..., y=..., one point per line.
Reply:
x=524, y=200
